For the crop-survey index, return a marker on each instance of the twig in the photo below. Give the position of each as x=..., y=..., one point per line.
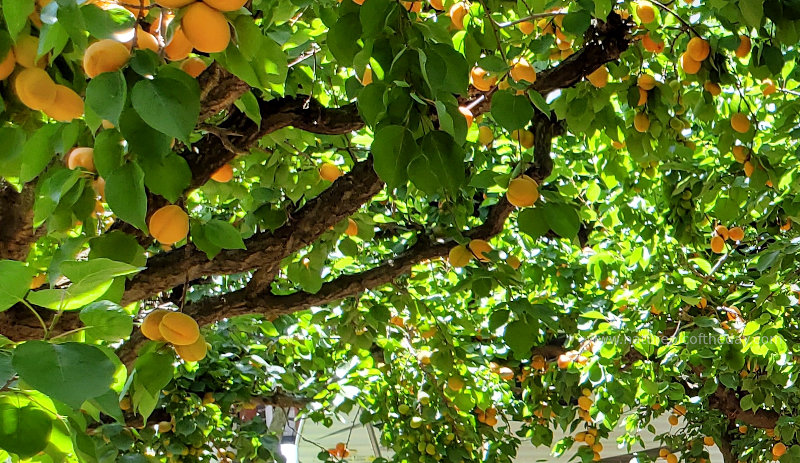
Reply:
x=683, y=21
x=38, y=317
x=529, y=17
x=494, y=29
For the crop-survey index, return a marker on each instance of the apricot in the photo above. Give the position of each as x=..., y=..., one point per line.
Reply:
x=526, y=27
x=524, y=137
x=206, y=28
x=717, y=244
x=366, y=79
x=414, y=7
x=740, y=122
x=352, y=228
x=523, y=71
x=689, y=64
x=481, y=79
x=646, y=12
x=99, y=187
x=224, y=174
x=437, y=4
x=599, y=77
x=673, y=420
x=175, y=4
x=740, y=153
x=104, y=56
x=169, y=224
x=641, y=122
x=150, y=325
x=467, y=113
x=35, y=88
x=38, y=281
x=459, y=256
x=179, y=329
x=193, y=66
x=651, y=45
x=749, y=168
x=744, y=46
x=736, y=234
x=67, y=106
x=698, y=49
x=178, y=47
x=513, y=262
x=778, y=450
x=455, y=383
x=26, y=49
x=485, y=135
x=642, y=97
x=768, y=87
x=7, y=65
x=193, y=352
x=146, y=40
x=713, y=88
x=457, y=14
x=506, y=374
x=81, y=157
x=722, y=231
x=646, y=82
x=708, y=440
x=479, y=248
x=538, y=362
x=139, y=8
x=329, y=171
x=523, y=191
x=226, y=5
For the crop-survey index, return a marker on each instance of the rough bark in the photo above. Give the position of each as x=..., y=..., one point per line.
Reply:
x=16, y=221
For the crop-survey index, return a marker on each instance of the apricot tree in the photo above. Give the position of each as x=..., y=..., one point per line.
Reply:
x=448, y=216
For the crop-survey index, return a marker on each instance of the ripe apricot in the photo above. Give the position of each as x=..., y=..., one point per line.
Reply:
x=778, y=450
x=38, y=281
x=584, y=403
x=524, y=137
x=35, y=88
x=150, y=324
x=744, y=46
x=481, y=79
x=740, y=122
x=749, y=168
x=366, y=79
x=506, y=374
x=25, y=50
x=457, y=14
x=414, y=7
x=193, y=66
x=179, y=329
x=523, y=191
x=523, y=71
x=99, y=187
x=352, y=228
x=67, y=106
x=226, y=5
x=459, y=256
x=689, y=64
x=736, y=234
x=179, y=46
x=646, y=82
x=206, y=28
x=437, y=4
x=330, y=172
x=713, y=88
x=479, y=248
x=722, y=231
x=538, y=362
x=174, y=4
x=740, y=153
x=646, y=12
x=194, y=352
x=513, y=262
x=672, y=458
x=467, y=113
x=698, y=49
x=485, y=135
x=526, y=27
x=768, y=87
x=81, y=157
x=146, y=40
x=673, y=420
x=708, y=440
x=641, y=122
x=599, y=77
x=717, y=244
x=7, y=65
x=455, y=383
x=169, y=225
x=224, y=174
x=104, y=56
x=651, y=45
x=137, y=7
x=642, y=97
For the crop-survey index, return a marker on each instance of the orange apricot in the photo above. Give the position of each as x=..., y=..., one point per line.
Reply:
x=479, y=248
x=689, y=64
x=206, y=28
x=717, y=244
x=457, y=14
x=740, y=122
x=523, y=71
x=744, y=46
x=104, y=56
x=736, y=234
x=526, y=27
x=482, y=80
x=169, y=224
x=174, y=4
x=698, y=49
x=150, y=324
x=599, y=77
x=330, y=171
x=352, y=228
x=178, y=47
x=35, y=88
x=193, y=352
x=193, y=66
x=226, y=5
x=523, y=191
x=179, y=329
x=224, y=174
x=7, y=65
x=67, y=106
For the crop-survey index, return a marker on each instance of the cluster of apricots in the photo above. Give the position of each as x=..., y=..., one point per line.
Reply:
x=178, y=329
x=461, y=255
x=488, y=417
x=723, y=234
x=589, y=439
x=677, y=411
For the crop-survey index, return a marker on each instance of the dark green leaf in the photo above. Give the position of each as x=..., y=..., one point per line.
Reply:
x=126, y=195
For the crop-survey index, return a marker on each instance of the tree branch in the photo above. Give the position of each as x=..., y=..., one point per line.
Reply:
x=16, y=221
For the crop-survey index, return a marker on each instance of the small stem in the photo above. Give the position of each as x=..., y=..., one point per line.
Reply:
x=683, y=21
x=67, y=333
x=38, y=317
x=496, y=33
x=532, y=16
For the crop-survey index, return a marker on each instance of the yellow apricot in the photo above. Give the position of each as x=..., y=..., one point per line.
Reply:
x=646, y=82
x=713, y=88
x=206, y=28
x=224, y=174
x=524, y=137
x=523, y=191
x=150, y=324
x=193, y=352
x=482, y=80
x=485, y=135
x=35, y=88
x=599, y=77
x=689, y=64
x=178, y=47
x=642, y=97
x=193, y=66
x=641, y=122
x=457, y=14
x=721, y=231
x=330, y=171
x=25, y=50
x=740, y=122
x=81, y=157
x=366, y=79
x=479, y=248
x=651, y=45
x=459, y=256
x=740, y=153
x=67, y=106
x=698, y=49
x=146, y=40
x=645, y=12
x=38, y=281
x=169, y=225
x=174, y=4
x=8, y=64
x=437, y=4
x=455, y=383
x=523, y=71
x=104, y=56
x=226, y=5
x=179, y=329
x=99, y=187
x=526, y=27
x=736, y=234
x=749, y=168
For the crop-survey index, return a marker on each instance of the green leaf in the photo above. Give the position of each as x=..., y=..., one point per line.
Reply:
x=447, y=69
x=70, y=372
x=106, y=321
x=50, y=193
x=119, y=246
x=752, y=12
x=15, y=282
x=202, y=242
x=440, y=166
x=512, y=112
x=248, y=104
x=12, y=140
x=393, y=148
x=577, y=22
x=6, y=370
x=104, y=23
x=167, y=175
x=168, y=105
x=533, y=222
x=141, y=137
x=24, y=429
x=105, y=95
x=126, y=195
x=223, y=234
x=38, y=151
x=154, y=371
x=16, y=14
x=70, y=16
x=265, y=57
x=108, y=151
x=341, y=39
x=563, y=220
x=520, y=338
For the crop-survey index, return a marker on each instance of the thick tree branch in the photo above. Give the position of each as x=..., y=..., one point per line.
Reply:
x=727, y=402
x=16, y=221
